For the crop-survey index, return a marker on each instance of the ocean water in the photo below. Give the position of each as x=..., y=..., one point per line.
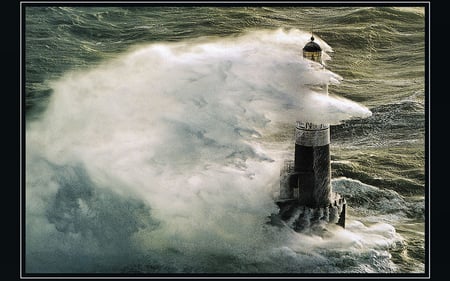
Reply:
x=155, y=137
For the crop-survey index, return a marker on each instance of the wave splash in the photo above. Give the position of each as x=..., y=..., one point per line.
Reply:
x=153, y=162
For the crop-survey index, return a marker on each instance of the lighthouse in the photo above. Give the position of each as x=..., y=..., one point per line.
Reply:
x=306, y=196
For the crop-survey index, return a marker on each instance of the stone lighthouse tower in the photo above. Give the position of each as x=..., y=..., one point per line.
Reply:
x=306, y=196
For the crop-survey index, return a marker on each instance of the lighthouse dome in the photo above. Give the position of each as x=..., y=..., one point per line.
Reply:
x=312, y=46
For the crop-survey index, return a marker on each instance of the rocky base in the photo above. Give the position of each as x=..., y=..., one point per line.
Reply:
x=300, y=217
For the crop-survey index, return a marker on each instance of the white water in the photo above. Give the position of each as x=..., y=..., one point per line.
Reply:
x=155, y=159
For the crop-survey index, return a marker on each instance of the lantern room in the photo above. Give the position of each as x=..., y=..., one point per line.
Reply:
x=312, y=51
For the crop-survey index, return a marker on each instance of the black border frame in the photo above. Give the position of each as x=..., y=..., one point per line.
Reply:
x=320, y=3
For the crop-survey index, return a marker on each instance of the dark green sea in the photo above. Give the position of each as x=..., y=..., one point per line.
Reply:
x=155, y=137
